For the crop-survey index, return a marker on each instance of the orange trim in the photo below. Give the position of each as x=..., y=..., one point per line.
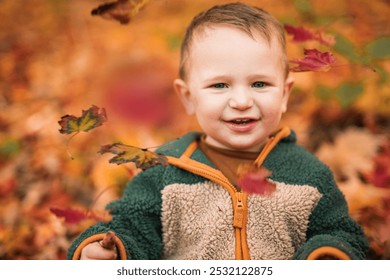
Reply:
x=98, y=237
x=329, y=251
x=238, y=247
x=245, y=249
x=272, y=142
x=202, y=170
x=190, y=149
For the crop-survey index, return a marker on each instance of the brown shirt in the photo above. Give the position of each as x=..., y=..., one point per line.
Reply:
x=227, y=161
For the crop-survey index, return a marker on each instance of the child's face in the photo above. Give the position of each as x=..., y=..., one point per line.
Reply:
x=235, y=86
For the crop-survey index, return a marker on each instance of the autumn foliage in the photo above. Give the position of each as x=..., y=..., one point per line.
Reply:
x=69, y=69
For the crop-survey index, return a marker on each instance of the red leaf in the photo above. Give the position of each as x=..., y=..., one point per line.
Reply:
x=314, y=60
x=301, y=34
x=75, y=216
x=253, y=180
x=72, y=216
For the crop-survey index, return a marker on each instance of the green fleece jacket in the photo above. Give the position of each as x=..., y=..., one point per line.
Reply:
x=189, y=210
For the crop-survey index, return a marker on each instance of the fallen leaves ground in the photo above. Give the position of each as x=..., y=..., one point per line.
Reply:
x=57, y=59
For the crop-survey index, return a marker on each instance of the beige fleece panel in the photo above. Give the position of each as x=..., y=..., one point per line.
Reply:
x=277, y=223
x=197, y=222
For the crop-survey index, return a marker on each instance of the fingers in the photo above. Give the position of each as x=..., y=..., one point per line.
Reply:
x=94, y=251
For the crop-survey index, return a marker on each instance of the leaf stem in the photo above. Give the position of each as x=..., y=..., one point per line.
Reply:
x=67, y=145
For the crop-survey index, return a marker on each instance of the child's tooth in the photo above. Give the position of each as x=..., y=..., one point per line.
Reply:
x=241, y=121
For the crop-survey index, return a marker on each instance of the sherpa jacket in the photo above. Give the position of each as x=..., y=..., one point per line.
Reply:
x=189, y=210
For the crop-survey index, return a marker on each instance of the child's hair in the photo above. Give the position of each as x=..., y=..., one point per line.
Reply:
x=239, y=15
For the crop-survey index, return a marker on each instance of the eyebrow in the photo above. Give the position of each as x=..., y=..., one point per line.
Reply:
x=216, y=78
x=227, y=77
x=260, y=76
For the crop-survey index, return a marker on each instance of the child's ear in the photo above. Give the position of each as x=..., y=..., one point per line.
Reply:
x=287, y=91
x=184, y=94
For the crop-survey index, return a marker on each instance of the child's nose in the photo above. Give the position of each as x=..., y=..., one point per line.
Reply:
x=241, y=100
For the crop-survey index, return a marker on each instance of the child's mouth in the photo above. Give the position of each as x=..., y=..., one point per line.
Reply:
x=243, y=125
x=242, y=121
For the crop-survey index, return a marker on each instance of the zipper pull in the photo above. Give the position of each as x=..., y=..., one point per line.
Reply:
x=238, y=219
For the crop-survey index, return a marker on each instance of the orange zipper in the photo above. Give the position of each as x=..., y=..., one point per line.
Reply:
x=238, y=198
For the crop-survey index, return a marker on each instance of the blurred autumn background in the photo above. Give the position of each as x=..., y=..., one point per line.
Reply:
x=58, y=59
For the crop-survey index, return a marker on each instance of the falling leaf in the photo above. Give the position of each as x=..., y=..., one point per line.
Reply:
x=253, y=180
x=143, y=158
x=301, y=34
x=120, y=10
x=91, y=118
x=314, y=60
x=108, y=241
x=72, y=216
x=75, y=216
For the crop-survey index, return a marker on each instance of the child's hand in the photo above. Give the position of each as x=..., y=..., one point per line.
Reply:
x=102, y=250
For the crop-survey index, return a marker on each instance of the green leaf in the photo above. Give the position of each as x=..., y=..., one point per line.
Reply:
x=347, y=93
x=379, y=49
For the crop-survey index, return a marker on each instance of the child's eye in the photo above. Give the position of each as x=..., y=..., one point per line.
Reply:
x=219, y=85
x=258, y=84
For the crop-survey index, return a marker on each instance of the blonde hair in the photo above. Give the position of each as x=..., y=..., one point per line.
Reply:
x=238, y=15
